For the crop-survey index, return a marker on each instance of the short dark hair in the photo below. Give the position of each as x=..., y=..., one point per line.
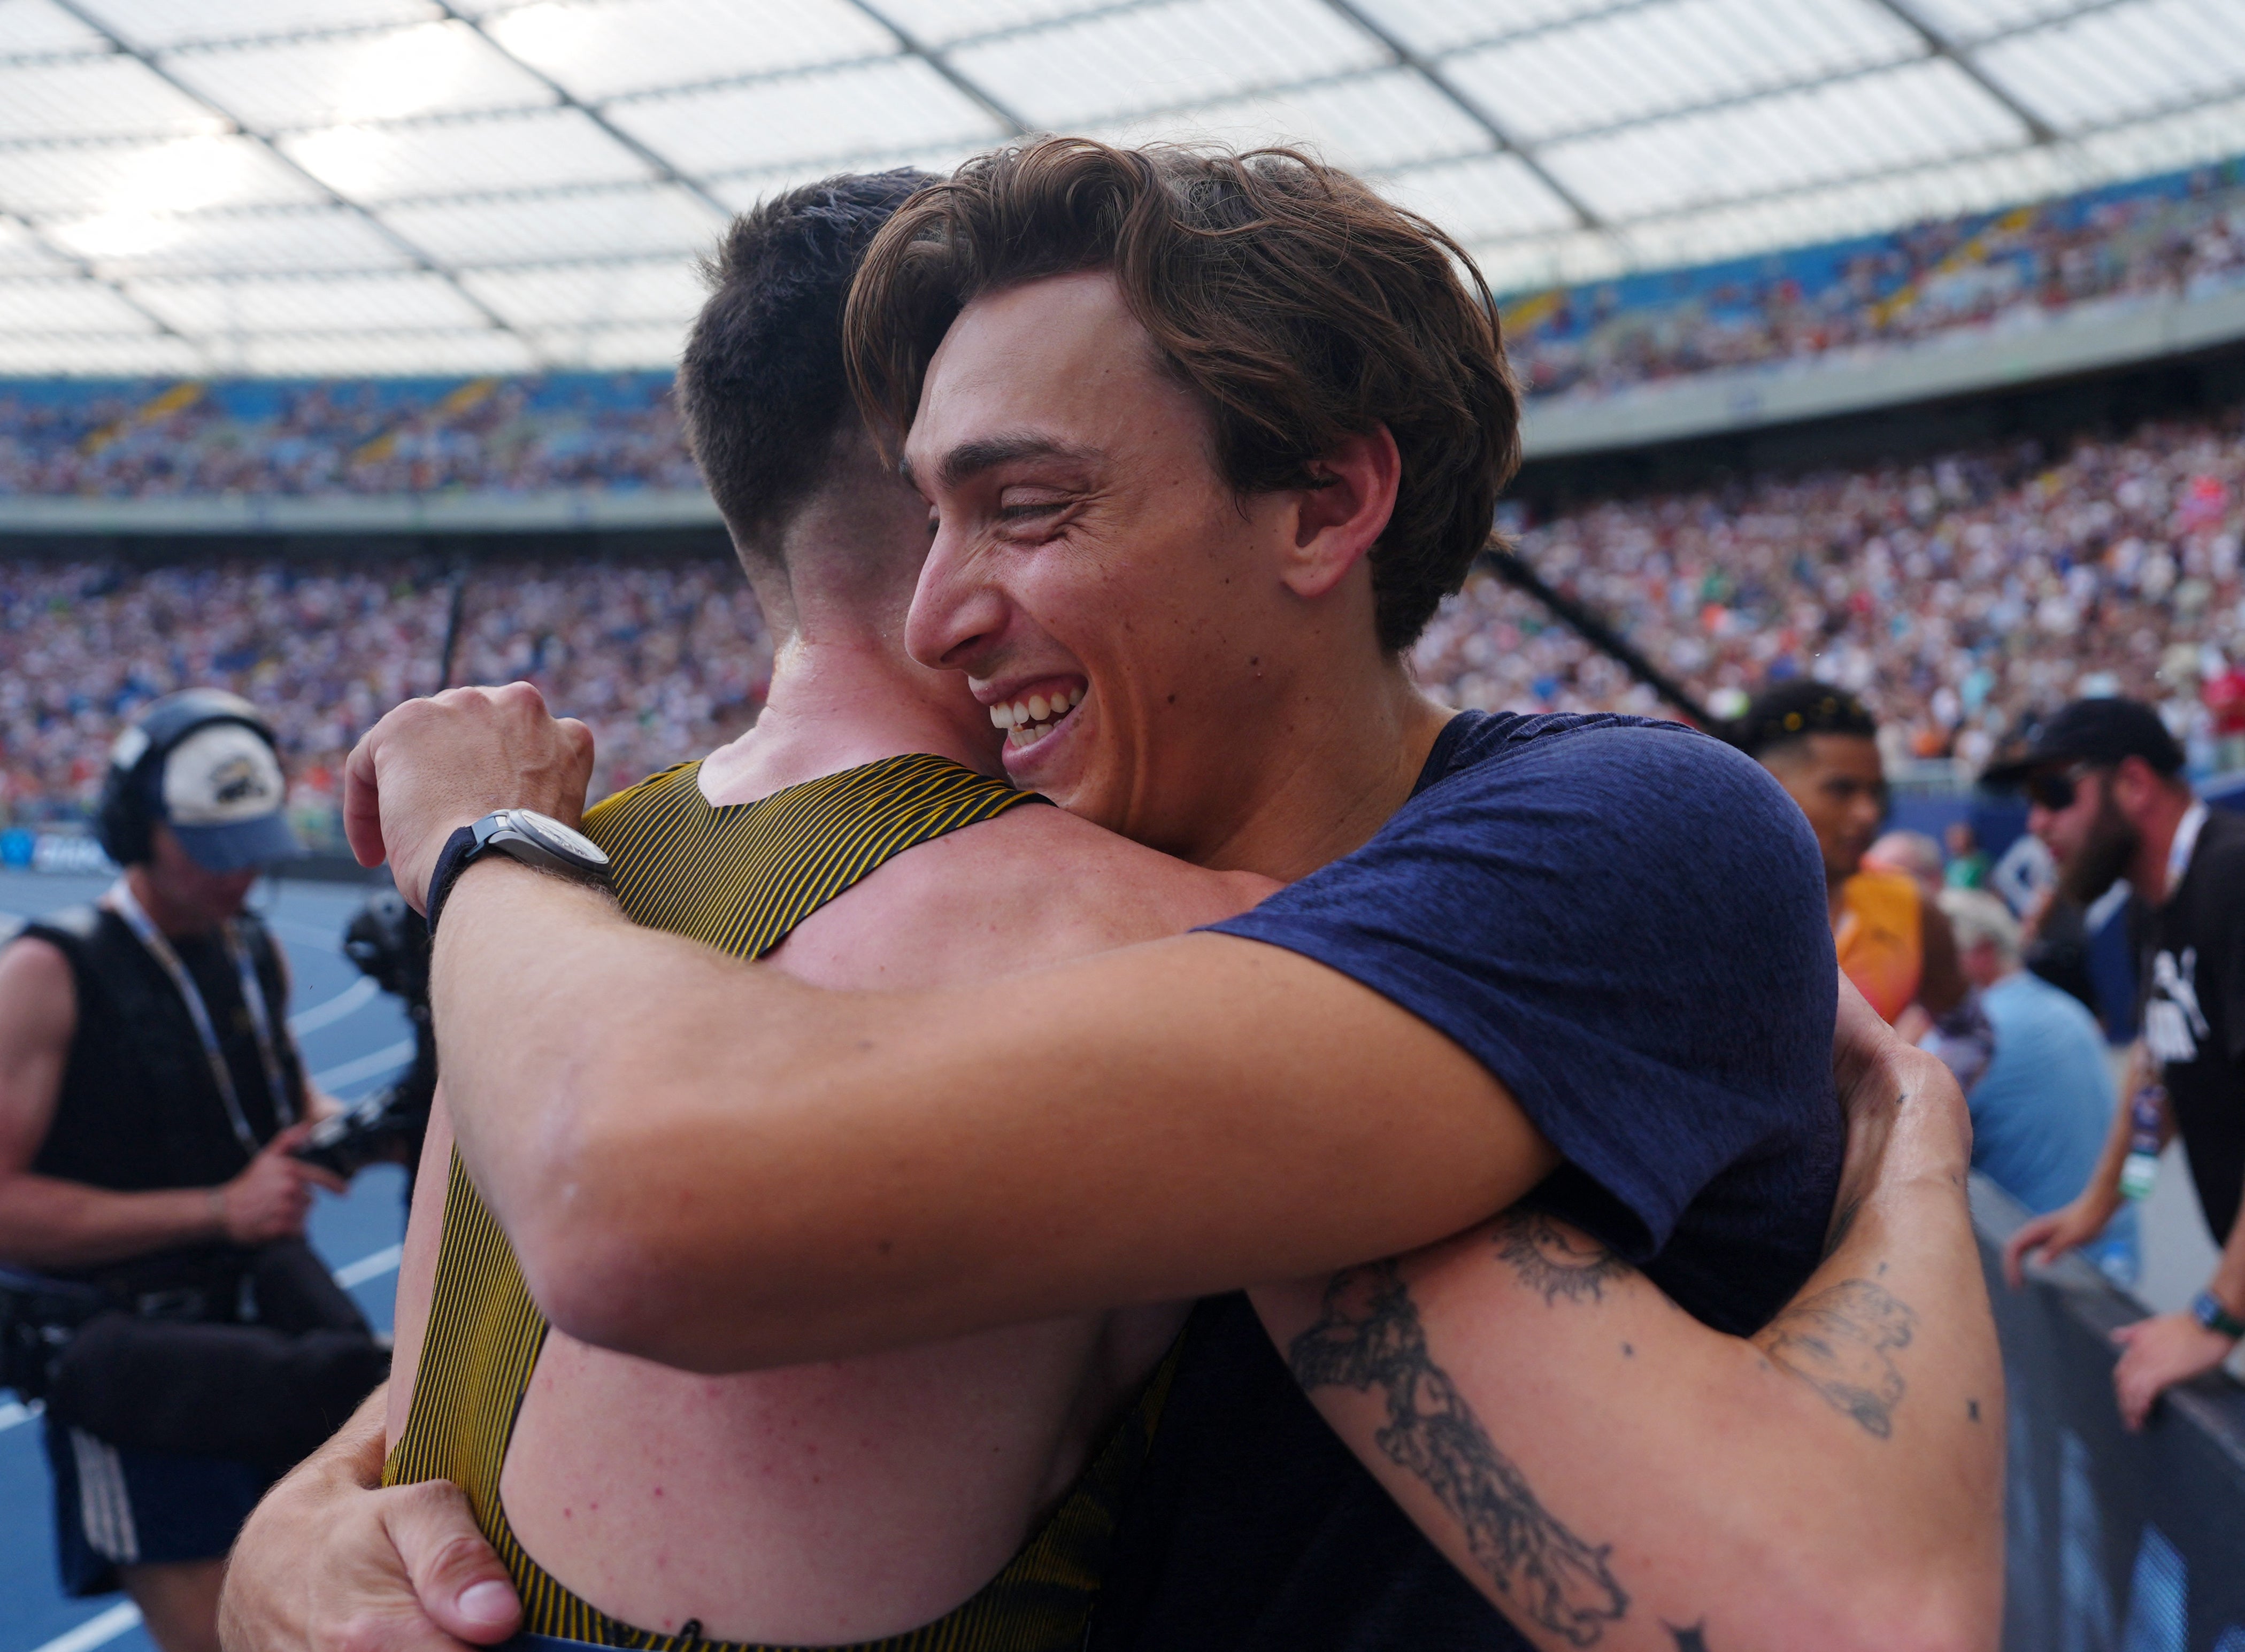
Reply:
x=1793, y=711
x=1300, y=306
x=761, y=387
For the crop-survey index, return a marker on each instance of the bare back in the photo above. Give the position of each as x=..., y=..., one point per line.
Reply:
x=858, y=1498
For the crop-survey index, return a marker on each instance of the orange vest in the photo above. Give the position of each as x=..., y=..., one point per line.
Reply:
x=1881, y=937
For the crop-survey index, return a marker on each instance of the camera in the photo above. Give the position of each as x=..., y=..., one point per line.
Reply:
x=37, y=1317
x=388, y=941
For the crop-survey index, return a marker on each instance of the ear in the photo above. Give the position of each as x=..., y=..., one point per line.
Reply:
x=1337, y=525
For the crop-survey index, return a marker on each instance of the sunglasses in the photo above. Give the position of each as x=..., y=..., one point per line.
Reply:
x=2055, y=790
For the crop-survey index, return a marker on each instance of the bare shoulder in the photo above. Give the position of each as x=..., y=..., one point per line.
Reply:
x=1035, y=885
x=36, y=988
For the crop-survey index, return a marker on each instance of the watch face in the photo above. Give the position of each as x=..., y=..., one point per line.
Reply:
x=564, y=840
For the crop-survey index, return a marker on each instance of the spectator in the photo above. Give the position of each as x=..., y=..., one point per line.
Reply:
x=2110, y=798
x=2042, y=1110
x=1914, y=854
x=1969, y=866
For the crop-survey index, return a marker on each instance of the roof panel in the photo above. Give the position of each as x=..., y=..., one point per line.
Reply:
x=1432, y=26
x=21, y=253
x=939, y=22
x=128, y=355
x=742, y=191
x=66, y=307
x=880, y=108
x=651, y=219
x=1180, y=53
x=1967, y=20
x=167, y=23
x=547, y=148
x=1366, y=123
x=185, y=175
x=1898, y=117
x=338, y=355
x=390, y=74
x=1487, y=198
x=30, y=26
x=592, y=295
x=598, y=52
x=318, y=238
x=311, y=304
x=1645, y=62
x=2112, y=65
x=96, y=98
x=631, y=345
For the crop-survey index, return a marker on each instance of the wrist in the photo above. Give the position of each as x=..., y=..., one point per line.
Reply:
x=2216, y=1316
x=214, y=1206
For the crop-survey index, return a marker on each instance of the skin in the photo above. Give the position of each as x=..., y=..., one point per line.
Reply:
x=2166, y=1349
x=1840, y=783
x=1231, y=1112
x=842, y=1500
x=47, y=1223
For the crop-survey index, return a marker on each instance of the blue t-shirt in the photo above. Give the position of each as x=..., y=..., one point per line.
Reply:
x=1625, y=923
x=2041, y=1111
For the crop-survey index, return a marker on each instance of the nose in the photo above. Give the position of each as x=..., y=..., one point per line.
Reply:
x=2038, y=821
x=957, y=615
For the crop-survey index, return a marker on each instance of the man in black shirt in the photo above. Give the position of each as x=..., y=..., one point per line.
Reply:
x=150, y=1211
x=2109, y=796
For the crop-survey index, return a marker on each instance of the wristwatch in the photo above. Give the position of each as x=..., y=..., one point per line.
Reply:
x=2207, y=1309
x=521, y=834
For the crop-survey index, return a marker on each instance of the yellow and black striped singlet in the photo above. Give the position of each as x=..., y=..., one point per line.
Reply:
x=740, y=878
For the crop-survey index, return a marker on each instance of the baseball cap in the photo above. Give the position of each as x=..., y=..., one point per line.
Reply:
x=222, y=794
x=2094, y=731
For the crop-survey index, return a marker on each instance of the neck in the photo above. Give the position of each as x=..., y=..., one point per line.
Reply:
x=2147, y=874
x=842, y=697
x=163, y=913
x=1348, y=749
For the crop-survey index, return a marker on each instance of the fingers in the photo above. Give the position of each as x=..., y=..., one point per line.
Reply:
x=318, y=1175
x=458, y=1579
x=2035, y=1239
x=361, y=804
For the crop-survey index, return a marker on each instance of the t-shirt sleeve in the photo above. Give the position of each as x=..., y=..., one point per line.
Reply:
x=1626, y=925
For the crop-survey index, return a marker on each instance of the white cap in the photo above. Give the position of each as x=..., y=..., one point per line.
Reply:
x=224, y=795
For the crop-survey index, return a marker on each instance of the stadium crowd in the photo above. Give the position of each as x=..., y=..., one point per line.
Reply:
x=394, y=436
x=2176, y=235
x=1956, y=597
x=663, y=660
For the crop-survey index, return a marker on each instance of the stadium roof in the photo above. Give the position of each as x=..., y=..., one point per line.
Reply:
x=342, y=186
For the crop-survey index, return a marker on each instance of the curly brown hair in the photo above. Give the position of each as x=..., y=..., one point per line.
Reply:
x=1301, y=307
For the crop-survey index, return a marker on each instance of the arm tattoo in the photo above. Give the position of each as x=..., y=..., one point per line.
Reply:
x=1838, y=1342
x=1554, y=1262
x=1369, y=1337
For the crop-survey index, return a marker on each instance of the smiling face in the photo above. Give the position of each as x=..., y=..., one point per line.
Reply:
x=1127, y=617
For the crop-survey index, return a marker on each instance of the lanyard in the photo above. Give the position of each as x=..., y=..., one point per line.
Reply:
x=253, y=996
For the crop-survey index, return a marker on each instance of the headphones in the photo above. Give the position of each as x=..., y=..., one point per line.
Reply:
x=126, y=815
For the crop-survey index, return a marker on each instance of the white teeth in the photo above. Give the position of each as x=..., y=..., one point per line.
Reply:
x=1075, y=698
x=1022, y=712
x=1002, y=716
x=1038, y=707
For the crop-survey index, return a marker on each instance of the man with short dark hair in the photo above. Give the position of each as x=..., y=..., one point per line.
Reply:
x=2107, y=793
x=1162, y=412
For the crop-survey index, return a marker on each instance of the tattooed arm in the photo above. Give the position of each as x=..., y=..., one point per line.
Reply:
x=1612, y=1473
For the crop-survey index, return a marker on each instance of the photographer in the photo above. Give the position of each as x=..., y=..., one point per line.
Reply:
x=155, y=1287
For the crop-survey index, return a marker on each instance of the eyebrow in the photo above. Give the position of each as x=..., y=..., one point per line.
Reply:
x=970, y=459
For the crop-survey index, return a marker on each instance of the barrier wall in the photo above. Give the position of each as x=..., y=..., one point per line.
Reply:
x=2117, y=1542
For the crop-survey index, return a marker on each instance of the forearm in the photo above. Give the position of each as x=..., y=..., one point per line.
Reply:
x=1605, y=1468
x=45, y=1223
x=703, y=1163
x=2229, y=1282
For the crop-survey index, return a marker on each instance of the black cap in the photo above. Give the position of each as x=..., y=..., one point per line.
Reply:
x=2094, y=731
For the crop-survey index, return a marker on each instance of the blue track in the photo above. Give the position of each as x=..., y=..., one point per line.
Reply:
x=353, y=1041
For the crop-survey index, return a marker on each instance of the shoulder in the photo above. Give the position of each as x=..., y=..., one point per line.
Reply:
x=1033, y=885
x=38, y=987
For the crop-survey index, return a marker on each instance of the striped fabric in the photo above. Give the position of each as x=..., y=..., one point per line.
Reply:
x=740, y=878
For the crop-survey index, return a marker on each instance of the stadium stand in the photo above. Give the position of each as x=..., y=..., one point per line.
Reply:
x=2180, y=234
x=1957, y=595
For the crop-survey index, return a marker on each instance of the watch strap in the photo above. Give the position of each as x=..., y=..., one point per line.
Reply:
x=2207, y=1309
x=453, y=859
